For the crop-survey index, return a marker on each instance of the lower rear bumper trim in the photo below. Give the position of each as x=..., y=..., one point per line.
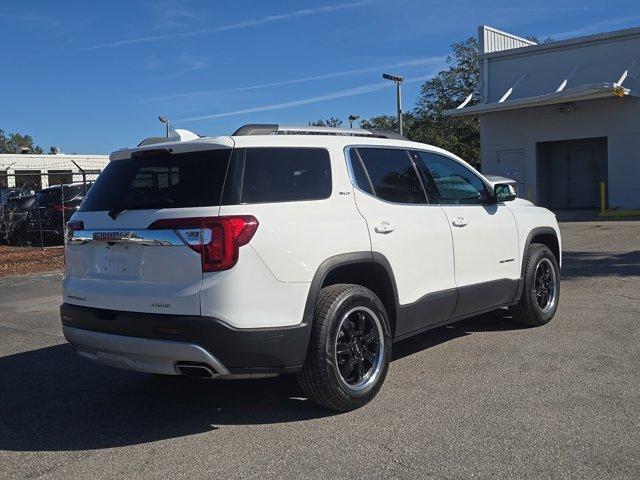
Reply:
x=241, y=351
x=139, y=354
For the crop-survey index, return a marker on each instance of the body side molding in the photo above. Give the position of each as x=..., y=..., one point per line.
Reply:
x=481, y=296
x=432, y=310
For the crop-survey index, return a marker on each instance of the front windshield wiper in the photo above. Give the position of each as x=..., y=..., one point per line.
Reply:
x=158, y=202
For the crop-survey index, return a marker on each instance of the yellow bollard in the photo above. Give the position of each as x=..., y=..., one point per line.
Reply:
x=603, y=206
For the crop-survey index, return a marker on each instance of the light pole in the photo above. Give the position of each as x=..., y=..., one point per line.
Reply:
x=167, y=125
x=353, y=118
x=398, y=81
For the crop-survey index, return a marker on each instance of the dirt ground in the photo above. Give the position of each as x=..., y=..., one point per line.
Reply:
x=22, y=260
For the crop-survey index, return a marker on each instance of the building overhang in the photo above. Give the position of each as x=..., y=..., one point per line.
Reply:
x=584, y=92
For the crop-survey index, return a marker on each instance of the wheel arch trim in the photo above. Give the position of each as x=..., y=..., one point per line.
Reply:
x=341, y=260
x=533, y=233
x=530, y=236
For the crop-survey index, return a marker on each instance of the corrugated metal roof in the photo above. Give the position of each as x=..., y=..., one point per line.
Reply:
x=583, y=92
x=494, y=40
x=558, y=44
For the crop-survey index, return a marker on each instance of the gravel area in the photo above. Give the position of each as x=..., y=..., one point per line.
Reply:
x=29, y=260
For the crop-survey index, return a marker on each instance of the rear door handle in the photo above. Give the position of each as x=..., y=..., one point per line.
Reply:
x=459, y=222
x=384, y=227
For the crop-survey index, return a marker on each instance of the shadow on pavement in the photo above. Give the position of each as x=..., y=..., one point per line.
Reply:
x=593, y=215
x=600, y=264
x=53, y=400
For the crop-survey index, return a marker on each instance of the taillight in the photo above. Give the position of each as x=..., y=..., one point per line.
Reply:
x=216, y=239
x=75, y=225
x=62, y=208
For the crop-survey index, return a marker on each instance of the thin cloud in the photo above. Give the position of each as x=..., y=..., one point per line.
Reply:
x=191, y=66
x=411, y=63
x=233, y=26
x=173, y=14
x=596, y=27
x=362, y=89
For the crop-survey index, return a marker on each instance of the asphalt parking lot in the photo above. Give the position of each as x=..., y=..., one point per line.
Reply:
x=479, y=399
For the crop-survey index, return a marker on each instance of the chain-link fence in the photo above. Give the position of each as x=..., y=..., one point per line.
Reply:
x=35, y=209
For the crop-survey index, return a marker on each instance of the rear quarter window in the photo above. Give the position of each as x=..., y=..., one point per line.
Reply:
x=285, y=175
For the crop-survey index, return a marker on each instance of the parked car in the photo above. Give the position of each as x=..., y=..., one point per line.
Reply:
x=13, y=218
x=52, y=208
x=8, y=193
x=307, y=250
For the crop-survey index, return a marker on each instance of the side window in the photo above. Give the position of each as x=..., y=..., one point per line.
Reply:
x=359, y=174
x=286, y=175
x=392, y=175
x=455, y=183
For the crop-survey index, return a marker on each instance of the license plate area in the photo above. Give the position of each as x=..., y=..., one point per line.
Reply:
x=117, y=260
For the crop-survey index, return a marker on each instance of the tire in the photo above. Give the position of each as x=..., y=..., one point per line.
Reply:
x=534, y=309
x=344, y=318
x=18, y=236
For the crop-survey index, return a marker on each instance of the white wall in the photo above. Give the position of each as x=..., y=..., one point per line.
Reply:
x=9, y=163
x=618, y=119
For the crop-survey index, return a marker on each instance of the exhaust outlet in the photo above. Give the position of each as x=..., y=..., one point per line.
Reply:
x=196, y=370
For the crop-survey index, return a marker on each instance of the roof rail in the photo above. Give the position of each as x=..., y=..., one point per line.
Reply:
x=274, y=129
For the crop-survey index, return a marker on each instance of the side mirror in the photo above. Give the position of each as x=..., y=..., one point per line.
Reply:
x=504, y=192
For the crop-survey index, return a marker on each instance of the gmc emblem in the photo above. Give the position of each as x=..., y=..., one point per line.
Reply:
x=109, y=236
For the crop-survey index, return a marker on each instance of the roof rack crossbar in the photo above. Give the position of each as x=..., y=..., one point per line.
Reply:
x=274, y=129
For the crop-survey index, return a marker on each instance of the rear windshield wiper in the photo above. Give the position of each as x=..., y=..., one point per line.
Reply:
x=150, y=203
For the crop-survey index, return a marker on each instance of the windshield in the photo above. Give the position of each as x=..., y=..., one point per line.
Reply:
x=165, y=180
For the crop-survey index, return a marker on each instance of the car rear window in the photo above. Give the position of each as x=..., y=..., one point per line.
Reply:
x=74, y=191
x=193, y=179
x=285, y=175
x=48, y=196
x=20, y=202
x=54, y=195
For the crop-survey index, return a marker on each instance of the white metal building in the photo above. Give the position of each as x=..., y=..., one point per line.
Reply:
x=561, y=117
x=40, y=171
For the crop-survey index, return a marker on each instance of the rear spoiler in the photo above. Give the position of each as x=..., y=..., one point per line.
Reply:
x=153, y=152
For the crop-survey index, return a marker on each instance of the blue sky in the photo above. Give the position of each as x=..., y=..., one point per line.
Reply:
x=92, y=77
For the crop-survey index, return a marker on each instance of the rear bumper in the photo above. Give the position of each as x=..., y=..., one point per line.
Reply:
x=140, y=354
x=155, y=342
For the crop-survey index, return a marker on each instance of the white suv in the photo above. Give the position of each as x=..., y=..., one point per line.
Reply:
x=306, y=250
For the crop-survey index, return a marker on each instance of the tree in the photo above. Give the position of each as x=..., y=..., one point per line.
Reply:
x=446, y=90
x=10, y=143
x=389, y=123
x=331, y=122
x=533, y=38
